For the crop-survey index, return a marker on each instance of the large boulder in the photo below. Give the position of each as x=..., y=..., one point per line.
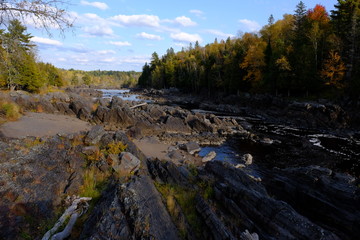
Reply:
x=176, y=125
x=94, y=135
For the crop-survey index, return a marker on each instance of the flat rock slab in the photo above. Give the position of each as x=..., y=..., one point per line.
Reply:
x=43, y=124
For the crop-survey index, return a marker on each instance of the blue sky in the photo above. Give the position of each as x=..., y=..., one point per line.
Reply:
x=122, y=34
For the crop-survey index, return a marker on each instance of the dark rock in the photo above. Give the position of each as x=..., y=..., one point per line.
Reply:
x=249, y=201
x=94, y=135
x=176, y=125
x=81, y=108
x=100, y=113
x=198, y=124
x=135, y=132
x=216, y=226
x=107, y=220
x=327, y=198
x=120, y=116
x=143, y=206
x=168, y=172
x=64, y=108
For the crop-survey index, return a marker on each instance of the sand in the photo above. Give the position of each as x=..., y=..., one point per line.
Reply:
x=43, y=124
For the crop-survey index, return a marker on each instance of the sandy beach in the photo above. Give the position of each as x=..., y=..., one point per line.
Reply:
x=43, y=124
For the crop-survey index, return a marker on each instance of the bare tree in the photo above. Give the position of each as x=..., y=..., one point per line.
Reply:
x=44, y=14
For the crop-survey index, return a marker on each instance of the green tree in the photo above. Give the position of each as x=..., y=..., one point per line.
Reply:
x=346, y=22
x=18, y=59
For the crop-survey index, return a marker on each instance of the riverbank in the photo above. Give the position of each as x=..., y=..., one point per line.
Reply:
x=141, y=165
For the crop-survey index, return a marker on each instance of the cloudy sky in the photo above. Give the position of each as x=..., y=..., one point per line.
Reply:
x=122, y=34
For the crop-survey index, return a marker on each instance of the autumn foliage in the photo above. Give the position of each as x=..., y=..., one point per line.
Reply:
x=306, y=53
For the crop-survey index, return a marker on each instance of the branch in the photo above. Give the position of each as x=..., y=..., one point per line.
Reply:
x=71, y=212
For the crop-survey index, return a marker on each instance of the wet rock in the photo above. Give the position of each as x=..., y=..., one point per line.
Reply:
x=210, y=156
x=94, y=135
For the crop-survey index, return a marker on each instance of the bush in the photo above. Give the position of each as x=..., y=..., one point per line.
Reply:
x=10, y=110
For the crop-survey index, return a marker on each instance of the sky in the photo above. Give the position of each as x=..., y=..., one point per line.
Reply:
x=121, y=35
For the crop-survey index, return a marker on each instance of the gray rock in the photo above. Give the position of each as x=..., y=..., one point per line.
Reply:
x=247, y=158
x=128, y=164
x=89, y=150
x=94, y=135
x=176, y=125
x=210, y=156
x=175, y=155
x=191, y=147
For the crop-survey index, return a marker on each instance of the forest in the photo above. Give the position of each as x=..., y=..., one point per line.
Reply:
x=20, y=70
x=308, y=53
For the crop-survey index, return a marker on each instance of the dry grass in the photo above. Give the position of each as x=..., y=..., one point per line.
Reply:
x=10, y=111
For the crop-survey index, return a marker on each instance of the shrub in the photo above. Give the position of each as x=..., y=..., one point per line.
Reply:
x=10, y=110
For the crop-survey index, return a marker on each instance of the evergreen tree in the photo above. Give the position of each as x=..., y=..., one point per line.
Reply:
x=346, y=22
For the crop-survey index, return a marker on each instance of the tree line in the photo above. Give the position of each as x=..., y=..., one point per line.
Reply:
x=19, y=69
x=310, y=52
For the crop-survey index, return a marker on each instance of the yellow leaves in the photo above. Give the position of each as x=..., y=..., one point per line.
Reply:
x=333, y=70
x=254, y=62
x=283, y=64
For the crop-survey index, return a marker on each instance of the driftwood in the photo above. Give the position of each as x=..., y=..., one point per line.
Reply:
x=139, y=105
x=77, y=208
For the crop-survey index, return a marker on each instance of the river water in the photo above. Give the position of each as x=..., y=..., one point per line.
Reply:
x=284, y=144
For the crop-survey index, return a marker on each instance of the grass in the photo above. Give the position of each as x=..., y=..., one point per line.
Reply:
x=94, y=182
x=29, y=143
x=185, y=198
x=11, y=111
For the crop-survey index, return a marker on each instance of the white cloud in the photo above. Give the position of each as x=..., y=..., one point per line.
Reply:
x=120, y=44
x=145, y=35
x=46, y=41
x=109, y=60
x=99, y=5
x=105, y=52
x=138, y=20
x=219, y=33
x=185, y=37
x=185, y=21
x=250, y=25
x=198, y=13
x=99, y=30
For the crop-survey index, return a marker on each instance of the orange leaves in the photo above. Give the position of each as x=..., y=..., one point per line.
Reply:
x=318, y=14
x=333, y=70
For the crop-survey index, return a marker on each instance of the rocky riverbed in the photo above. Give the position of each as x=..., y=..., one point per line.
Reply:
x=276, y=188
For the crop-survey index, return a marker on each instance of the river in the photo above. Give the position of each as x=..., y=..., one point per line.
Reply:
x=281, y=146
